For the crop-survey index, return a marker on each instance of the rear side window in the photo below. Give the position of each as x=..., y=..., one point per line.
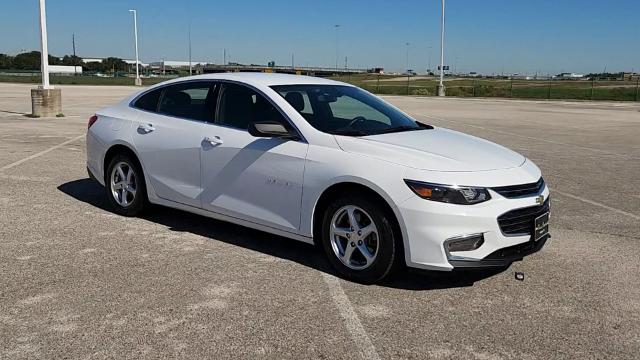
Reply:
x=149, y=101
x=192, y=100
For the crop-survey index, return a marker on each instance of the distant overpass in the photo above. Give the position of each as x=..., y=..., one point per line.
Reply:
x=299, y=70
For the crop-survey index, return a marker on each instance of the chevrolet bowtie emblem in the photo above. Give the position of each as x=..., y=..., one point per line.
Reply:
x=540, y=199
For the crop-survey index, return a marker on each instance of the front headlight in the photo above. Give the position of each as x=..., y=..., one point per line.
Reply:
x=452, y=194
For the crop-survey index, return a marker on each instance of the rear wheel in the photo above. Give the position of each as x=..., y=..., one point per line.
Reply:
x=125, y=186
x=358, y=238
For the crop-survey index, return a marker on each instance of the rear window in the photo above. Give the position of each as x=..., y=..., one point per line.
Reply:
x=148, y=101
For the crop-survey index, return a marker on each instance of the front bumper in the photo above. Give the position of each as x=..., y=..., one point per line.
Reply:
x=428, y=225
x=502, y=257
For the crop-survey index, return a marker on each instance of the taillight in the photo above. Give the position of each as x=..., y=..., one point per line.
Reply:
x=92, y=120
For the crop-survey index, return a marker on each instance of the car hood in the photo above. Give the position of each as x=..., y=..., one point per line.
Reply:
x=435, y=149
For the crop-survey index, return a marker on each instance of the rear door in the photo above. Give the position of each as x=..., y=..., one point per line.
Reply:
x=169, y=138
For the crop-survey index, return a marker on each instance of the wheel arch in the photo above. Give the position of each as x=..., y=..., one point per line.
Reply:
x=351, y=187
x=115, y=149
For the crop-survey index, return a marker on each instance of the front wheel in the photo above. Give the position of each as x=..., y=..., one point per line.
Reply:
x=125, y=186
x=358, y=239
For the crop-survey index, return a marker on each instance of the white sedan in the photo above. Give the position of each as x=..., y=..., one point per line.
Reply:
x=322, y=162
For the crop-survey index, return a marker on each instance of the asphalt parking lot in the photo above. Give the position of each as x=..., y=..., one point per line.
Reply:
x=77, y=281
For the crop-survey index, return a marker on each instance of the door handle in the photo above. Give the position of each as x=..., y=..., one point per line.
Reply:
x=146, y=128
x=214, y=140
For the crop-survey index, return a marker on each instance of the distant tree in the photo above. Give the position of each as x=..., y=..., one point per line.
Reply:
x=27, y=61
x=71, y=60
x=114, y=64
x=54, y=60
x=6, y=61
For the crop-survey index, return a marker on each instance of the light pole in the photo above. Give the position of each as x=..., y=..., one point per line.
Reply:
x=407, y=68
x=441, y=91
x=44, y=62
x=190, y=64
x=337, y=26
x=45, y=100
x=135, y=36
x=429, y=48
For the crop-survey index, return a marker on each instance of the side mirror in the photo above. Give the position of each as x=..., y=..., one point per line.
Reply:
x=270, y=129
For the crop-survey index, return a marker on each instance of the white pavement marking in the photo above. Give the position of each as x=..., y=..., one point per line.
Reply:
x=621, y=212
x=348, y=314
x=40, y=153
x=526, y=137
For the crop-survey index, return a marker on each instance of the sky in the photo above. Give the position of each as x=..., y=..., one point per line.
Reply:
x=488, y=36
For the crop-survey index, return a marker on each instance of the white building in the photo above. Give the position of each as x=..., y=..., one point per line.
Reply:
x=64, y=69
x=569, y=76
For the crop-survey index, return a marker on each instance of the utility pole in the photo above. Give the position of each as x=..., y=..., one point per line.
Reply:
x=440, y=89
x=138, y=82
x=224, y=56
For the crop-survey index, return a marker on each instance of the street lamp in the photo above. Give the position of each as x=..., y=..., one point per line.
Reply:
x=138, y=82
x=441, y=91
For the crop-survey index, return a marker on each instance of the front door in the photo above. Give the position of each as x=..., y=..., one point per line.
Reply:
x=255, y=179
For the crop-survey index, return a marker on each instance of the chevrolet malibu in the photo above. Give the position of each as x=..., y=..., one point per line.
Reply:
x=321, y=162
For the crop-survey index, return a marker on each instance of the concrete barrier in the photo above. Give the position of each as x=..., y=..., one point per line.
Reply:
x=46, y=102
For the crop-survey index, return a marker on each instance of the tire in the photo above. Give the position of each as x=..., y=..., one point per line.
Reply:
x=132, y=186
x=380, y=246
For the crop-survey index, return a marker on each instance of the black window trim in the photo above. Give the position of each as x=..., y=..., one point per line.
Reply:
x=217, y=83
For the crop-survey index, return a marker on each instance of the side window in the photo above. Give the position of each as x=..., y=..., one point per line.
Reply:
x=149, y=101
x=191, y=100
x=348, y=108
x=239, y=106
x=299, y=100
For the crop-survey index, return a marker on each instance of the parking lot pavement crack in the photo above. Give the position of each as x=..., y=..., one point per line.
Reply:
x=351, y=319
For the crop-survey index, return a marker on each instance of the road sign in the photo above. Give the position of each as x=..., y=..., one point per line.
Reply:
x=446, y=67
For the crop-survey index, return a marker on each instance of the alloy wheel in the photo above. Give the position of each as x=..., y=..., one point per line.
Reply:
x=123, y=184
x=354, y=237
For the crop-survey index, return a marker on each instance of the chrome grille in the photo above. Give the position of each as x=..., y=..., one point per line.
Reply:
x=521, y=221
x=515, y=191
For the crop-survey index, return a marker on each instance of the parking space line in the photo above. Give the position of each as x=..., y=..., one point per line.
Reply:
x=351, y=320
x=526, y=137
x=40, y=153
x=621, y=212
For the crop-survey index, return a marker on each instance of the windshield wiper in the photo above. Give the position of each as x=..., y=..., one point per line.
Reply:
x=348, y=132
x=401, y=128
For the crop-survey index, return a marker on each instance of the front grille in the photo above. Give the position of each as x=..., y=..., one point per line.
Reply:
x=521, y=221
x=514, y=191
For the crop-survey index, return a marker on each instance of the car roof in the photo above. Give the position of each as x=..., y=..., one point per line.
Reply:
x=265, y=79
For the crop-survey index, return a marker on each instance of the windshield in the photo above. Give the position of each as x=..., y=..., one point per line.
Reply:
x=345, y=110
